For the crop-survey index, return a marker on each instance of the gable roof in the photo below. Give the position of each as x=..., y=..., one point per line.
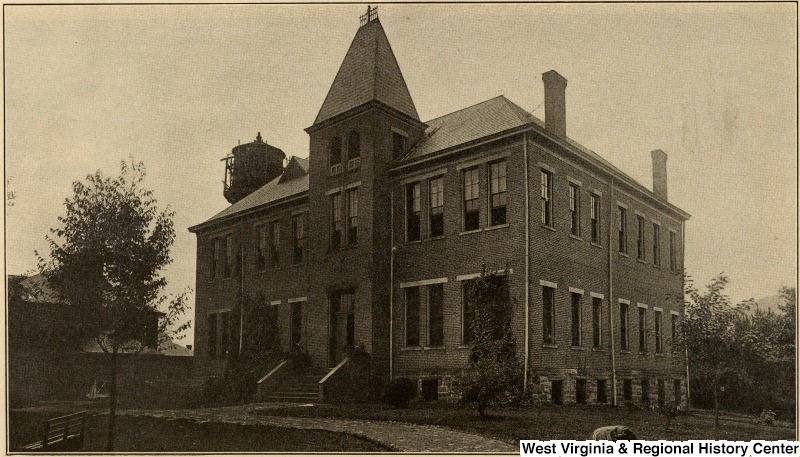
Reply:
x=271, y=192
x=492, y=117
x=487, y=118
x=368, y=72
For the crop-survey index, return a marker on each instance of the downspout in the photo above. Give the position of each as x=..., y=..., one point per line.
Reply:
x=527, y=262
x=391, y=285
x=685, y=349
x=241, y=286
x=611, y=295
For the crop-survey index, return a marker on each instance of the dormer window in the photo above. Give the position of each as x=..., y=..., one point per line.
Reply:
x=335, y=155
x=353, y=150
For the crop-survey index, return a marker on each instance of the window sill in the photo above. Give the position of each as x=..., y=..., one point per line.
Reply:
x=433, y=348
x=624, y=254
x=659, y=354
x=413, y=242
x=548, y=227
x=641, y=261
x=495, y=227
x=624, y=351
x=434, y=238
x=575, y=237
x=598, y=350
x=465, y=346
x=549, y=346
x=411, y=348
x=657, y=267
x=469, y=232
x=597, y=245
x=643, y=353
x=578, y=348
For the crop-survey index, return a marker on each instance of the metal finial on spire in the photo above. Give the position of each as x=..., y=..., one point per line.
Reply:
x=258, y=138
x=370, y=16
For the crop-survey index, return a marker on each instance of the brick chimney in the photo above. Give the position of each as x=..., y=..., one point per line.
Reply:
x=555, y=107
x=659, y=173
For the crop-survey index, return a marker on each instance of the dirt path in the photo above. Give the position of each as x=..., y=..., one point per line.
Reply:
x=399, y=436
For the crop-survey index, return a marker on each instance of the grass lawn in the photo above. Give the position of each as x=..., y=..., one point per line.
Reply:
x=546, y=422
x=138, y=434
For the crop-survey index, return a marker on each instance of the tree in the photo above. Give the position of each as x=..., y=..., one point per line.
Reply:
x=105, y=261
x=713, y=335
x=494, y=375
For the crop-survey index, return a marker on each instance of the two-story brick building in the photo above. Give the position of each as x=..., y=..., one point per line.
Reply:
x=372, y=239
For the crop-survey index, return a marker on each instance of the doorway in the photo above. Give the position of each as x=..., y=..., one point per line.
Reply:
x=342, y=326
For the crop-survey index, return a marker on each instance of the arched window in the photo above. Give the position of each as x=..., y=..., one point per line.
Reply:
x=353, y=145
x=335, y=151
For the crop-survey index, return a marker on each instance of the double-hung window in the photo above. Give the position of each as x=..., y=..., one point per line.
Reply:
x=574, y=209
x=262, y=247
x=576, y=318
x=597, y=322
x=595, y=218
x=642, y=329
x=548, y=315
x=298, y=236
x=640, y=237
x=673, y=252
x=352, y=216
x=498, y=195
x=436, y=315
x=623, y=326
x=436, y=219
x=547, y=198
x=412, y=316
x=622, y=222
x=413, y=208
x=656, y=245
x=337, y=226
x=471, y=192
x=657, y=331
x=274, y=243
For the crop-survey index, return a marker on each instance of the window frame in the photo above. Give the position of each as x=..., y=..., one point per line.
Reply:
x=298, y=237
x=471, y=208
x=438, y=208
x=673, y=251
x=656, y=244
x=352, y=216
x=465, y=325
x=640, y=237
x=575, y=209
x=409, y=291
x=548, y=315
x=334, y=143
x=546, y=197
x=658, y=318
x=642, y=318
x=337, y=224
x=576, y=318
x=595, y=217
x=624, y=324
x=429, y=289
x=413, y=207
x=353, y=161
x=274, y=243
x=622, y=220
x=597, y=323
x=502, y=183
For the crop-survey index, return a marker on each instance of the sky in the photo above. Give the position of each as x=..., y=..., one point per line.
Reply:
x=713, y=85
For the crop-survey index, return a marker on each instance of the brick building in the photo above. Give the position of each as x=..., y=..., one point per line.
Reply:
x=372, y=239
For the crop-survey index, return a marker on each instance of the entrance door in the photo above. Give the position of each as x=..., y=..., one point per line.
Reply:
x=342, y=326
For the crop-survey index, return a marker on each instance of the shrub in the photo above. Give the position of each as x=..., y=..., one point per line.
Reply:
x=767, y=417
x=400, y=392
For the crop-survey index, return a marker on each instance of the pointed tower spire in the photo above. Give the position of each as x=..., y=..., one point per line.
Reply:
x=368, y=73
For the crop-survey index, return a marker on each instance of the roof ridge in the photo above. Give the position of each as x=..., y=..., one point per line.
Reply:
x=524, y=116
x=464, y=108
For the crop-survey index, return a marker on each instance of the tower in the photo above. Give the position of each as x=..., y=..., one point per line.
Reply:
x=366, y=122
x=249, y=167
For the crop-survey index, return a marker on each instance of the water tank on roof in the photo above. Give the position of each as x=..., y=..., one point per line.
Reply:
x=249, y=167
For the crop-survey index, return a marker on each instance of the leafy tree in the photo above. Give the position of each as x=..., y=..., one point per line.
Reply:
x=105, y=261
x=713, y=336
x=494, y=375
